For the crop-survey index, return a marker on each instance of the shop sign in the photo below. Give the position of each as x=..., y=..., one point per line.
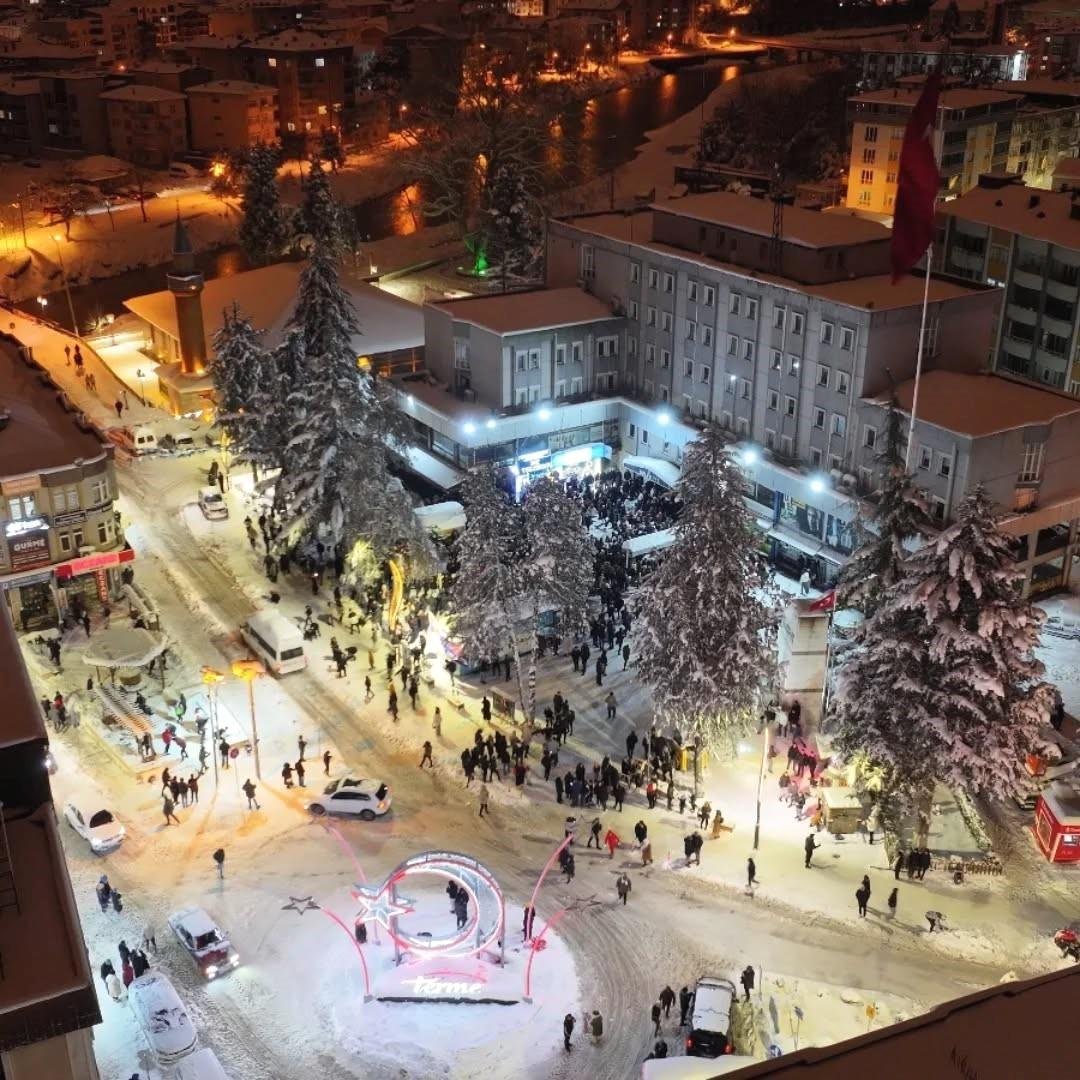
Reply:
x=20, y=528
x=801, y=517
x=101, y=561
x=560, y=440
x=29, y=579
x=29, y=550
x=20, y=485
x=73, y=517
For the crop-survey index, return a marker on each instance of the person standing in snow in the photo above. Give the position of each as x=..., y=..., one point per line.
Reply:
x=623, y=887
x=751, y=872
x=298, y=768
x=249, y=791
x=891, y=902
x=685, y=997
x=426, y=757
x=667, y=999
x=326, y=759
x=436, y=723
x=611, y=842
x=106, y=970
x=484, y=796
x=567, y=1030
x=596, y=1027
x=167, y=807
x=219, y=861
x=115, y=988
x=594, y=834
x=862, y=896
x=103, y=890
x=898, y=865
x=656, y=1018
x=747, y=980
x=810, y=845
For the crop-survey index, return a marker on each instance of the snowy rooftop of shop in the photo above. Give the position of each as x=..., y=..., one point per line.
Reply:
x=267, y=297
x=1064, y=88
x=140, y=92
x=978, y=405
x=21, y=720
x=1031, y=212
x=231, y=86
x=41, y=433
x=961, y=98
x=538, y=309
x=808, y=228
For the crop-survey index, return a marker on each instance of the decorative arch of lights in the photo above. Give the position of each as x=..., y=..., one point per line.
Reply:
x=487, y=908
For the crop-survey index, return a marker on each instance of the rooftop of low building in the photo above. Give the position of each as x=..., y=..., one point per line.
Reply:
x=1032, y=212
x=537, y=309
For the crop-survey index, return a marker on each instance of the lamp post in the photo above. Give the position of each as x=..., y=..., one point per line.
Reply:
x=211, y=677
x=43, y=304
x=249, y=671
x=140, y=375
x=67, y=288
x=761, y=781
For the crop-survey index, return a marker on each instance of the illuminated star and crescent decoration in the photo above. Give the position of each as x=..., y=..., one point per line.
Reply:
x=381, y=904
x=300, y=904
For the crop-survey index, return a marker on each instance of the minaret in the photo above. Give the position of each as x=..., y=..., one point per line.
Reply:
x=186, y=284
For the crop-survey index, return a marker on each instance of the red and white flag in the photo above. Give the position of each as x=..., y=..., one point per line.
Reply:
x=913, y=219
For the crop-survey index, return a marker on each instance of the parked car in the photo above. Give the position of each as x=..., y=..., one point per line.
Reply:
x=100, y=830
x=162, y=1016
x=212, y=503
x=204, y=941
x=202, y=1065
x=367, y=799
x=710, y=1019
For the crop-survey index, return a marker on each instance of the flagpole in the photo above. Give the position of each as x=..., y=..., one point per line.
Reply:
x=919, y=359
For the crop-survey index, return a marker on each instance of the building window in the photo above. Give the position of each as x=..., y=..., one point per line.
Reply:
x=937, y=508
x=842, y=381
x=732, y=345
x=819, y=419
x=779, y=316
x=650, y=353
x=576, y=384
x=776, y=359
x=607, y=347
x=770, y=439
x=744, y=389
x=635, y=272
x=631, y=431
x=725, y=421
x=664, y=394
x=710, y=296
x=735, y=303
x=789, y=406
x=65, y=542
x=669, y=283
x=271, y=61
x=588, y=261
x=1032, y=464
x=870, y=133
x=793, y=364
x=635, y=311
x=751, y=308
x=839, y=424
x=815, y=457
x=665, y=358
x=691, y=331
x=773, y=400
x=706, y=335
x=577, y=352
x=689, y=369
x=650, y=316
x=99, y=491
x=823, y=374
x=560, y=354
x=322, y=110
x=320, y=62
x=796, y=322
x=654, y=278
x=748, y=350
x=631, y=346
x=925, y=458
x=644, y=433
x=869, y=437
x=867, y=176
x=22, y=508
x=847, y=338
x=869, y=156
x=691, y=291
x=944, y=465
x=706, y=373
x=665, y=320
x=521, y=358
x=103, y=532
x=826, y=333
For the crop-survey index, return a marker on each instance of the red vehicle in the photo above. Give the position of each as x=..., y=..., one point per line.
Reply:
x=1057, y=823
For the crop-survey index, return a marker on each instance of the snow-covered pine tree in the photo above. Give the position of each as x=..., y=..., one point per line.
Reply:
x=944, y=684
x=708, y=615
x=900, y=514
x=237, y=367
x=330, y=148
x=282, y=373
x=264, y=230
x=514, y=227
x=319, y=219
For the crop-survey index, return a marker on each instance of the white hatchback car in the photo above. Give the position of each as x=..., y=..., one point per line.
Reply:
x=212, y=504
x=162, y=1016
x=367, y=799
x=204, y=941
x=100, y=830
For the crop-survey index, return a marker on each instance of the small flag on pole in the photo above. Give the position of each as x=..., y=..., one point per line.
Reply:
x=913, y=219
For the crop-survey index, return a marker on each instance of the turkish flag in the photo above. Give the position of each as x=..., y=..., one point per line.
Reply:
x=825, y=602
x=913, y=219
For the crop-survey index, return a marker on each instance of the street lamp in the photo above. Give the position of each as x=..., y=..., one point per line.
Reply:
x=249, y=671
x=43, y=304
x=67, y=287
x=211, y=677
x=140, y=375
x=761, y=780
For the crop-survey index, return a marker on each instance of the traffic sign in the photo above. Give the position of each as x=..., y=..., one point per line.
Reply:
x=234, y=751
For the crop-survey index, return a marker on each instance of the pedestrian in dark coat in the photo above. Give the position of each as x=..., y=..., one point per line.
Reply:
x=751, y=872
x=667, y=999
x=299, y=769
x=891, y=902
x=747, y=980
x=107, y=969
x=685, y=997
x=898, y=865
x=862, y=896
x=810, y=845
x=567, y=1029
x=656, y=1018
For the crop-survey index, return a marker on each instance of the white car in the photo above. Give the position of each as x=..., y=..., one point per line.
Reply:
x=212, y=504
x=100, y=830
x=204, y=941
x=367, y=799
x=162, y=1016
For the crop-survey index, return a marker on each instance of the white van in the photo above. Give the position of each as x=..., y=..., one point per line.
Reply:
x=202, y=1065
x=139, y=438
x=276, y=641
x=162, y=1016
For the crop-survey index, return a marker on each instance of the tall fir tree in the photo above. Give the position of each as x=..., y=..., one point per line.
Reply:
x=264, y=231
x=708, y=615
x=901, y=515
x=237, y=367
x=320, y=218
x=283, y=370
x=514, y=229
x=517, y=562
x=330, y=148
x=944, y=684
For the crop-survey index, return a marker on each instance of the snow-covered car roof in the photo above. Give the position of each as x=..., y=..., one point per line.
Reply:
x=162, y=1015
x=195, y=921
x=100, y=817
x=712, y=1004
x=351, y=783
x=211, y=494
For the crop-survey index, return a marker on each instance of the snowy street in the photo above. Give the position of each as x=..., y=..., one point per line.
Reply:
x=280, y=1014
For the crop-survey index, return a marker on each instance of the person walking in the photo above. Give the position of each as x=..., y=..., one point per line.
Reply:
x=667, y=999
x=326, y=759
x=873, y=823
x=106, y=969
x=484, y=796
x=167, y=808
x=898, y=865
x=567, y=1030
x=426, y=757
x=436, y=723
x=286, y=774
x=596, y=1027
x=656, y=1010
x=610, y=702
x=626, y=656
x=862, y=897
x=751, y=873
x=219, y=861
x=685, y=997
x=891, y=903
x=747, y=980
x=623, y=886
x=249, y=791
x=298, y=768
x=611, y=842
x=810, y=845
x=594, y=834
x=301, y=744
x=103, y=891
x=866, y=885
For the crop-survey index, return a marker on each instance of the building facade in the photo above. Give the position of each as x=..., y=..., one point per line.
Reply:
x=1027, y=241
x=147, y=125
x=62, y=544
x=1020, y=442
x=974, y=130
x=1046, y=129
x=230, y=115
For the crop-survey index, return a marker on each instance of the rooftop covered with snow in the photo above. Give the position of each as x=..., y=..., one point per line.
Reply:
x=959, y=98
x=517, y=313
x=141, y=92
x=231, y=86
x=979, y=405
x=1032, y=212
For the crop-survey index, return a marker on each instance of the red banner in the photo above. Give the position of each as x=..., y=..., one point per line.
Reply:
x=101, y=560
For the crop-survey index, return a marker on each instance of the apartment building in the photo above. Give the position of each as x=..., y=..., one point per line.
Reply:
x=228, y=114
x=1046, y=129
x=147, y=125
x=1027, y=241
x=48, y=1004
x=883, y=60
x=1020, y=442
x=57, y=485
x=974, y=130
x=168, y=75
x=1052, y=38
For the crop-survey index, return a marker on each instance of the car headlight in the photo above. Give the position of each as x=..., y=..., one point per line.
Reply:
x=96, y=845
x=235, y=961
x=382, y=806
x=122, y=833
x=211, y=971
